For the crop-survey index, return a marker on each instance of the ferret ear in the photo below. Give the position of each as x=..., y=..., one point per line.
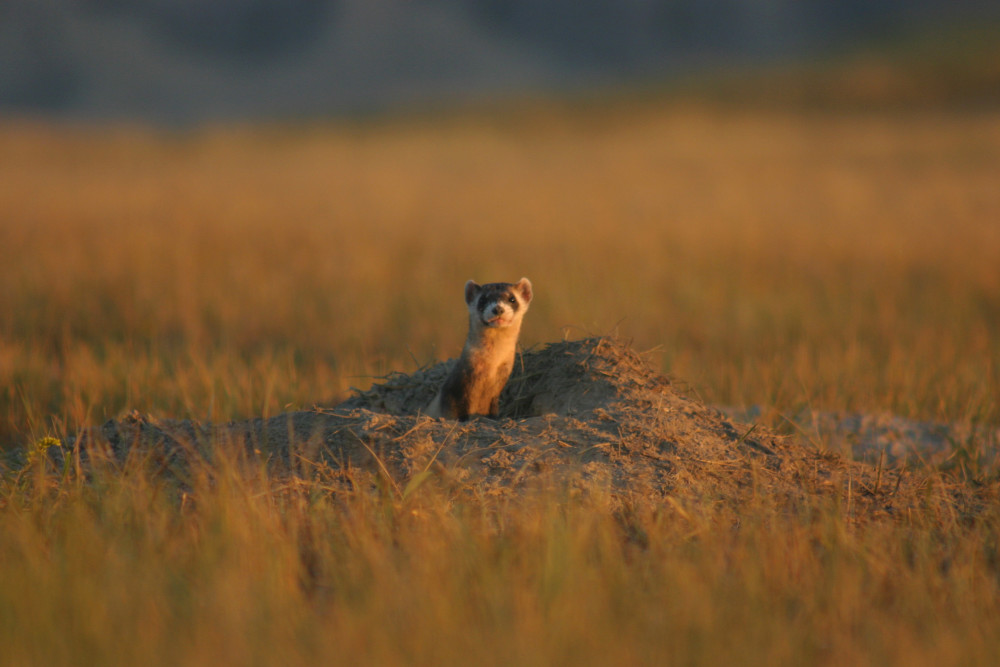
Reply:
x=471, y=290
x=524, y=287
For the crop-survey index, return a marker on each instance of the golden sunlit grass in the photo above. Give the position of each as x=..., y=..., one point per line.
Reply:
x=773, y=258
x=237, y=566
x=776, y=259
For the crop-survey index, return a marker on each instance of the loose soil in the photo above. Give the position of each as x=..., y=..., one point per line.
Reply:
x=591, y=415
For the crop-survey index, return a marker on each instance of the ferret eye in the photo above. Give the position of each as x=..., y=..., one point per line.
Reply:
x=512, y=299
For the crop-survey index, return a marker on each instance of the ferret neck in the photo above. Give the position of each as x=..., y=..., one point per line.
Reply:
x=483, y=336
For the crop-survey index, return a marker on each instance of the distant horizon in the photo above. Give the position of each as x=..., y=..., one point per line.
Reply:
x=188, y=63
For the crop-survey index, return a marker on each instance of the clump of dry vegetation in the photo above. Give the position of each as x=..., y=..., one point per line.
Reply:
x=230, y=286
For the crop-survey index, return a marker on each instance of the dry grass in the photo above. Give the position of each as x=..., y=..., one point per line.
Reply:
x=788, y=260
x=237, y=566
x=777, y=259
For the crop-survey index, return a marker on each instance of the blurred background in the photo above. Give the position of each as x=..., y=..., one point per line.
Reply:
x=184, y=61
x=221, y=209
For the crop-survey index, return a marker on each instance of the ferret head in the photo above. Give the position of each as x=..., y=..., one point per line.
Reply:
x=497, y=305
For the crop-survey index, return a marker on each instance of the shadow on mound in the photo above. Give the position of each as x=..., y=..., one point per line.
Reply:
x=584, y=413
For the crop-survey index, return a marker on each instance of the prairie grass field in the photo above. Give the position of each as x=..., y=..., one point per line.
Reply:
x=842, y=261
x=837, y=261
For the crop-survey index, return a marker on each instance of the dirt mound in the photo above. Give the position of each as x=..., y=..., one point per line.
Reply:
x=568, y=379
x=590, y=413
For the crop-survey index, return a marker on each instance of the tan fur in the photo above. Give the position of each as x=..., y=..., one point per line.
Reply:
x=474, y=385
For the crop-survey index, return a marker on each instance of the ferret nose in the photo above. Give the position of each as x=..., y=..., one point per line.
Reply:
x=497, y=309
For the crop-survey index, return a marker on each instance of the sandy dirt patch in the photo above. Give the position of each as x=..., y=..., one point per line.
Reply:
x=590, y=414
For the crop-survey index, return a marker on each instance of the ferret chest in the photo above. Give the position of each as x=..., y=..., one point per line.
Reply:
x=486, y=381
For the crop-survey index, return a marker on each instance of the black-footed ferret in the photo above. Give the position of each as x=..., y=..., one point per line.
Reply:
x=473, y=387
